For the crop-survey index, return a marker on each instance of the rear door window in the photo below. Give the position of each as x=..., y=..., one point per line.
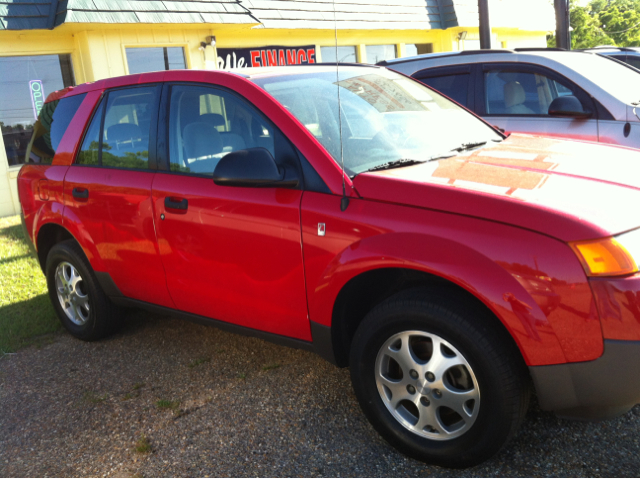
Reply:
x=455, y=87
x=53, y=121
x=120, y=131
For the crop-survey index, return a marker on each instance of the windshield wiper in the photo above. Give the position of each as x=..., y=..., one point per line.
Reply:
x=396, y=164
x=407, y=162
x=470, y=146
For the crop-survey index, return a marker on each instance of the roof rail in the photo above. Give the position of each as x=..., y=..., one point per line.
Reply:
x=425, y=56
x=342, y=64
x=540, y=49
x=604, y=47
x=476, y=52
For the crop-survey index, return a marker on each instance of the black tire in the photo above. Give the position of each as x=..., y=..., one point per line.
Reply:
x=498, y=377
x=101, y=317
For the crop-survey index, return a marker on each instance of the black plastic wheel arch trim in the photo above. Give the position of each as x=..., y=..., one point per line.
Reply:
x=107, y=284
x=322, y=342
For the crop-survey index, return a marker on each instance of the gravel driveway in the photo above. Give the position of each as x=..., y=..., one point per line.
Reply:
x=210, y=403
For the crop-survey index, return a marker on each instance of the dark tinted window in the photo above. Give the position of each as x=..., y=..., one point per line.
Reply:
x=633, y=61
x=123, y=141
x=53, y=121
x=127, y=123
x=88, y=154
x=206, y=124
x=455, y=87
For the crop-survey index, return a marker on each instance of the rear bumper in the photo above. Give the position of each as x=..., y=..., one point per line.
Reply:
x=601, y=389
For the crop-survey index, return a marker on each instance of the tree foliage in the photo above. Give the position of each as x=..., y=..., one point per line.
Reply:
x=604, y=22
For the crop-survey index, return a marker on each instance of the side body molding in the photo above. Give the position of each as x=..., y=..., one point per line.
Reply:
x=533, y=298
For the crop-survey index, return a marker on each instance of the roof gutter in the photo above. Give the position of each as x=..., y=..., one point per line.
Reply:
x=53, y=10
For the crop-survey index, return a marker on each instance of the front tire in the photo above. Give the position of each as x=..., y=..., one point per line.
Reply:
x=437, y=379
x=81, y=305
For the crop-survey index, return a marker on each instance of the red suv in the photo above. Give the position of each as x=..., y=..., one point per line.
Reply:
x=356, y=213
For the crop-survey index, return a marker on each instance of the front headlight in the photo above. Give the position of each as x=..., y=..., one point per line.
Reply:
x=613, y=256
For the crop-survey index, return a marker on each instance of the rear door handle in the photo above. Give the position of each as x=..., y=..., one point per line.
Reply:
x=80, y=193
x=172, y=203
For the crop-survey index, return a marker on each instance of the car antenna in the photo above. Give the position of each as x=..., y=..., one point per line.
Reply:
x=344, y=202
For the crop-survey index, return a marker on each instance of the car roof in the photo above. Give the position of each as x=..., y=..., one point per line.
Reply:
x=604, y=49
x=551, y=53
x=247, y=73
x=258, y=72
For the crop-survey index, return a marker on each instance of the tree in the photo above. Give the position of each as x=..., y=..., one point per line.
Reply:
x=586, y=30
x=603, y=22
x=620, y=19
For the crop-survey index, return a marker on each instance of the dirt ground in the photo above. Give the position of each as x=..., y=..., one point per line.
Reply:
x=169, y=398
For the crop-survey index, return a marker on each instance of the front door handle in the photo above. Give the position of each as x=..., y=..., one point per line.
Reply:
x=80, y=193
x=172, y=203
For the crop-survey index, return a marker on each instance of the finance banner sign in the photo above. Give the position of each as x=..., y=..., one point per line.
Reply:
x=270, y=56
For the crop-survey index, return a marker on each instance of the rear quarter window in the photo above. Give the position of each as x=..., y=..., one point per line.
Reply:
x=53, y=121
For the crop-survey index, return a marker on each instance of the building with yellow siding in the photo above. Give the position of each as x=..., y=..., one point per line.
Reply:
x=46, y=45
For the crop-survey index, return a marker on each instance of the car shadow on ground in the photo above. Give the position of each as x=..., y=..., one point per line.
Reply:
x=206, y=402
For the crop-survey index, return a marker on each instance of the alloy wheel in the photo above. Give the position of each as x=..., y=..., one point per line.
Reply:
x=72, y=293
x=427, y=385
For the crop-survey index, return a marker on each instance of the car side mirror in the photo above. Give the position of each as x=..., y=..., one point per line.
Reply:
x=568, y=107
x=253, y=167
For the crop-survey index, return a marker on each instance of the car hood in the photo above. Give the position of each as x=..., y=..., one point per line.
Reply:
x=570, y=190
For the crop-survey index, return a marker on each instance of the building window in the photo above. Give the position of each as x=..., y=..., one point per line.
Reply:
x=378, y=53
x=25, y=83
x=142, y=60
x=344, y=54
x=412, y=49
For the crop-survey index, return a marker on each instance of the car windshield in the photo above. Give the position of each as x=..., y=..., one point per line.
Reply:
x=615, y=78
x=384, y=118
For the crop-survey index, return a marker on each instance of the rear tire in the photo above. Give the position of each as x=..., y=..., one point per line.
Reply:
x=437, y=379
x=81, y=305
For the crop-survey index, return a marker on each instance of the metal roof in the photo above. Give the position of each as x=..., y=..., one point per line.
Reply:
x=289, y=14
x=350, y=14
x=152, y=11
x=24, y=14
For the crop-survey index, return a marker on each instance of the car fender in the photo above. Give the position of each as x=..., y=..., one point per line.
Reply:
x=77, y=229
x=512, y=304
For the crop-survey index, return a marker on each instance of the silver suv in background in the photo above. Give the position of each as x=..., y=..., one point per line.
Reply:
x=545, y=92
x=630, y=55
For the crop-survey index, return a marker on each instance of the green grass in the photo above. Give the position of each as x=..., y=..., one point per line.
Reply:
x=143, y=445
x=198, y=362
x=25, y=311
x=93, y=398
x=270, y=366
x=166, y=404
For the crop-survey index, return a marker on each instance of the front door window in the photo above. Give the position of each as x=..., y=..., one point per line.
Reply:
x=522, y=93
x=206, y=124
